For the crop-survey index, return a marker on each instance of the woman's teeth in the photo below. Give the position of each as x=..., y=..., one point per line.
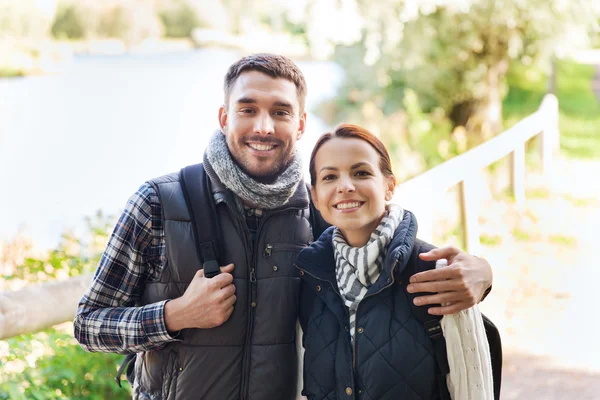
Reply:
x=343, y=206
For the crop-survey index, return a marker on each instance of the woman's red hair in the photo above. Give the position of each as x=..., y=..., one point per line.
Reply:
x=349, y=131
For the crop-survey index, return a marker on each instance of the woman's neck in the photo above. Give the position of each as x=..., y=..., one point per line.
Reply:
x=360, y=237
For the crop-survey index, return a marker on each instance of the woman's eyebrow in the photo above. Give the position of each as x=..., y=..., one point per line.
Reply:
x=330, y=168
x=360, y=164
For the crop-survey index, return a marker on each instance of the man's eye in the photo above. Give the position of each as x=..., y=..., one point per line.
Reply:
x=282, y=113
x=246, y=110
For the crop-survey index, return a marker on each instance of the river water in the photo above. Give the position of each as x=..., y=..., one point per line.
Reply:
x=84, y=140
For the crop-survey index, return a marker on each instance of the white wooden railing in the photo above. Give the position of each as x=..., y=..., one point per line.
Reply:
x=40, y=306
x=421, y=193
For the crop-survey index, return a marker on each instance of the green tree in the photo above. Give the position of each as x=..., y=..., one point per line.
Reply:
x=179, y=19
x=68, y=23
x=453, y=54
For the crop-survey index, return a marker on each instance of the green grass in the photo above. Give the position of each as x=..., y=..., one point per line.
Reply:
x=563, y=240
x=6, y=72
x=520, y=235
x=537, y=193
x=579, y=202
x=490, y=240
x=579, y=108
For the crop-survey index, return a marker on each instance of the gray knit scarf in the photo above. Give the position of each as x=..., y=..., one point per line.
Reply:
x=261, y=195
x=357, y=268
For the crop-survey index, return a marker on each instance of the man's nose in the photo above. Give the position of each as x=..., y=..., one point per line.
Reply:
x=263, y=125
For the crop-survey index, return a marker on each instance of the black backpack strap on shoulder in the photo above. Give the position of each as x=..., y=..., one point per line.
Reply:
x=196, y=187
x=317, y=223
x=430, y=322
x=495, y=342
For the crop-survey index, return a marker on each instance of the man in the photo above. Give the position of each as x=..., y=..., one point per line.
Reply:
x=231, y=336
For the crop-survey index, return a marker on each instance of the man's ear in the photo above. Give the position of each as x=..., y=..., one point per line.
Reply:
x=313, y=196
x=223, y=118
x=301, y=125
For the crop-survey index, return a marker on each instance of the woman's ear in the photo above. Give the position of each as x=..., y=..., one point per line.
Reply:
x=389, y=194
x=313, y=196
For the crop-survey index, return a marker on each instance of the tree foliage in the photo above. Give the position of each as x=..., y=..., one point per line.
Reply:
x=453, y=54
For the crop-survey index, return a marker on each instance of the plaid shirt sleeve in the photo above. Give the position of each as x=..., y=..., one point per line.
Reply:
x=107, y=319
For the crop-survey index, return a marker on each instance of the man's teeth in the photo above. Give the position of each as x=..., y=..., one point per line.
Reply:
x=261, y=147
x=342, y=206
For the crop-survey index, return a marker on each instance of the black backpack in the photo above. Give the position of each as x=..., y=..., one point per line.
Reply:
x=434, y=329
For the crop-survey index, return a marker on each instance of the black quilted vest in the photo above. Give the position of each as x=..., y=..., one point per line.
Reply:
x=252, y=355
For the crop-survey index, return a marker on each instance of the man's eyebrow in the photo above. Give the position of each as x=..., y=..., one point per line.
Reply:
x=246, y=100
x=282, y=104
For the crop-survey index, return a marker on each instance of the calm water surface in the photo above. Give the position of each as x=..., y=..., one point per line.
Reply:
x=84, y=140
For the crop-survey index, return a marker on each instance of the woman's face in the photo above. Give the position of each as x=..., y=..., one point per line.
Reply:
x=350, y=190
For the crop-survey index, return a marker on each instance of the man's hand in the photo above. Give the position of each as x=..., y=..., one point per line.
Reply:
x=459, y=286
x=206, y=303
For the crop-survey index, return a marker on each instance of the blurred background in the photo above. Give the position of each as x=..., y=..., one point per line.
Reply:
x=90, y=91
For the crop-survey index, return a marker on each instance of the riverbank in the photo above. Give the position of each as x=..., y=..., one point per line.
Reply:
x=27, y=57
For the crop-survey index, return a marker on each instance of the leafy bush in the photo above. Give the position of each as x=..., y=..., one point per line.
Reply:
x=68, y=23
x=50, y=364
x=179, y=19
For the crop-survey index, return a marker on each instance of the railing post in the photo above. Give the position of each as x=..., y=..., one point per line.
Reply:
x=549, y=137
x=517, y=174
x=469, y=215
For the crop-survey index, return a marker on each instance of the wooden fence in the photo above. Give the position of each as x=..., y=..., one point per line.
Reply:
x=420, y=193
x=40, y=306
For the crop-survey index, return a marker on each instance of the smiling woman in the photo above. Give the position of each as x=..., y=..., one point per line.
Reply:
x=366, y=259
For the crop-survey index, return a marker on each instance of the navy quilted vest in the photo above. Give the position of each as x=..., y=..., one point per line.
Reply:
x=392, y=357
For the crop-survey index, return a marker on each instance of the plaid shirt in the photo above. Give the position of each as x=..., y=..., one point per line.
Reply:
x=107, y=319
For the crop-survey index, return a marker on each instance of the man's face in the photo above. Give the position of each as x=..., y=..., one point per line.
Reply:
x=261, y=123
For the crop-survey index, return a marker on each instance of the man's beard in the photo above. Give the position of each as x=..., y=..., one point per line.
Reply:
x=270, y=175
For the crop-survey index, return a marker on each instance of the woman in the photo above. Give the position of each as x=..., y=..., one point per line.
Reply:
x=362, y=335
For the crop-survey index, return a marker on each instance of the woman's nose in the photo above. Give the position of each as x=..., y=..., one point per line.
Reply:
x=345, y=185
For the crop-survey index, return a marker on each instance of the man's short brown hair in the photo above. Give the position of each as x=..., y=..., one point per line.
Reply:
x=276, y=66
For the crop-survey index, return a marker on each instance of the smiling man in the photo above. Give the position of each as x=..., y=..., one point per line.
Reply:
x=232, y=336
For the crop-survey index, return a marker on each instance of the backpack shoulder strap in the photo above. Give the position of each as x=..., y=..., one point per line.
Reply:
x=197, y=192
x=495, y=343
x=195, y=184
x=430, y=322
x=317, y=223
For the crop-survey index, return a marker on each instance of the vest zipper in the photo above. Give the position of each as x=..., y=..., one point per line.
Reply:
x=357, y=307
x=252, y=280
x=252, y=305
x=343, y=304
x=275, y=247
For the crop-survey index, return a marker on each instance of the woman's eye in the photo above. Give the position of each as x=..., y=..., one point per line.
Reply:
x=363, y=173
x=328, y=177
